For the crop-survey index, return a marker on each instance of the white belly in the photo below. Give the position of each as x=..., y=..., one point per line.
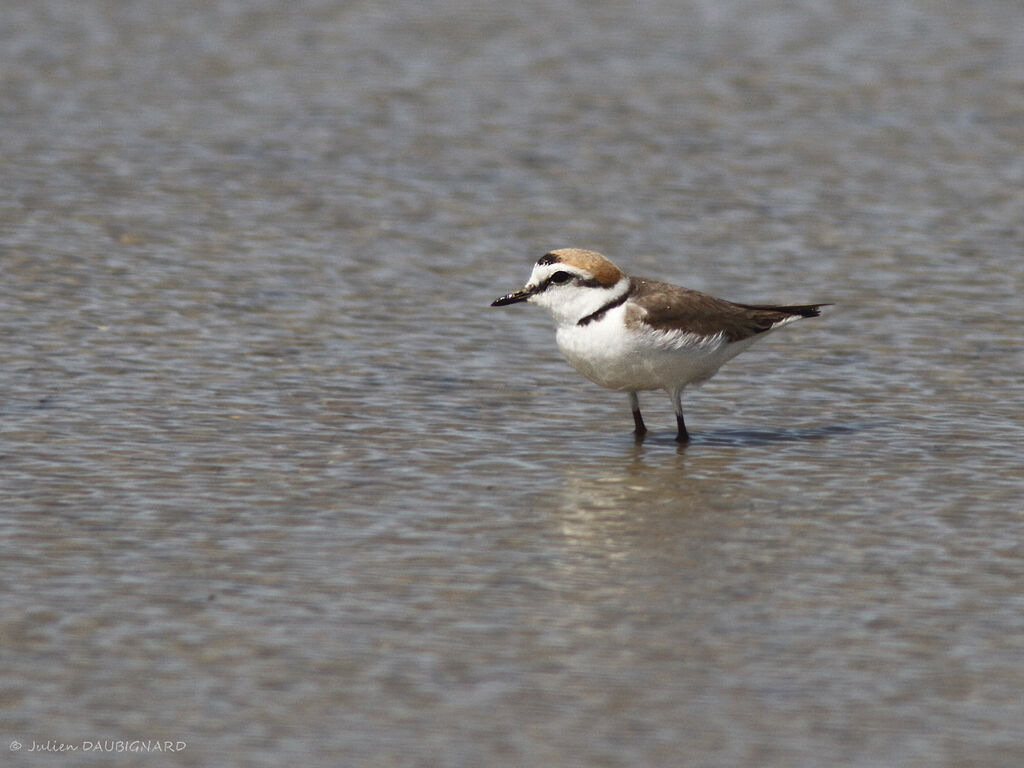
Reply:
x=609, y=354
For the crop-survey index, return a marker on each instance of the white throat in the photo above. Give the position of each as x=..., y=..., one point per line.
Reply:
x=573, y=303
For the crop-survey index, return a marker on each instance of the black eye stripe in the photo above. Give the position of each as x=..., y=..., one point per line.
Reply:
x=563, y=278
x=567, y=277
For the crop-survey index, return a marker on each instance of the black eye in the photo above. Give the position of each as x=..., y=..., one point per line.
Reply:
x=561, y=277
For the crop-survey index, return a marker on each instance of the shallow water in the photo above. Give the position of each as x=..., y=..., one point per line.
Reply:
x=278, y=484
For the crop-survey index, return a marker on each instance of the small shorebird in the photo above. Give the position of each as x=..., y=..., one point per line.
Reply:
x=631, y=333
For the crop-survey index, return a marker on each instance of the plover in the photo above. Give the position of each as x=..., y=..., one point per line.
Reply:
x=632, y=333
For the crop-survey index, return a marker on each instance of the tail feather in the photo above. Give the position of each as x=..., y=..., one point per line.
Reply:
x=804, y=310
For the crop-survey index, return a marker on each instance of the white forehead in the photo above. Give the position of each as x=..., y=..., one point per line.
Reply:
x=542, y=272
x=590, y=265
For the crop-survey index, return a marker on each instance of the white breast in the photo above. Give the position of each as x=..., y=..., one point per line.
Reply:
x=614, y=356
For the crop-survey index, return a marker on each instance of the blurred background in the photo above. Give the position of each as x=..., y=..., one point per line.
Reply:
x=279, y=485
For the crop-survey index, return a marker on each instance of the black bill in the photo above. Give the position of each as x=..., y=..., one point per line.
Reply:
x=512, y=298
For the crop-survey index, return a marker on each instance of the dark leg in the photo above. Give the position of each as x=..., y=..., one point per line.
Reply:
x=640, y=429
x=677, y=403
x=683, y=436
x=638, y=420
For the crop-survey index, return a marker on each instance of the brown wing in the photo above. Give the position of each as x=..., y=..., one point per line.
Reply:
x=674, y=308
